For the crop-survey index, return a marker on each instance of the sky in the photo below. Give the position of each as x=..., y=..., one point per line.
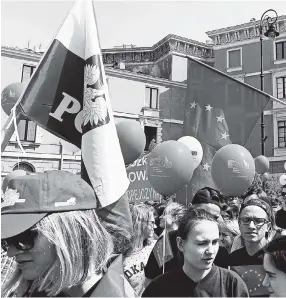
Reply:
x=141, y=23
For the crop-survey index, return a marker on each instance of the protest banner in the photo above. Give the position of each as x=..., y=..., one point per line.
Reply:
x=140, y=189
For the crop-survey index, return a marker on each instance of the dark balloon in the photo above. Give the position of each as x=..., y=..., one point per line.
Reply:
x=233, y=169
x=132, y=140
x=261, y=164
x=10, y=95
x=170, y=167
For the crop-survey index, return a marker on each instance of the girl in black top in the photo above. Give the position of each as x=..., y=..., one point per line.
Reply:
x=198, y=237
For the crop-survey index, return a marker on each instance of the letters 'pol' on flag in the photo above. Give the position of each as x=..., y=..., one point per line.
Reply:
x=68, y=96
x=219, y=110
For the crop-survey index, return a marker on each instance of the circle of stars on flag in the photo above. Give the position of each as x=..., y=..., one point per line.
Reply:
x=259, y=276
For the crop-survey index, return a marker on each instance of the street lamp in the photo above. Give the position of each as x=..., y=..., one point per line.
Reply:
x=270, y=33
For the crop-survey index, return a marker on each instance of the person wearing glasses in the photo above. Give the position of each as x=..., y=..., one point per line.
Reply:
x=256, y=224
x=140, y=246
x=275, y=267
x=50, y=226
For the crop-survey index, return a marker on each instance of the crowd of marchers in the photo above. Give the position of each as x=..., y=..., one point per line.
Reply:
x=61, y=246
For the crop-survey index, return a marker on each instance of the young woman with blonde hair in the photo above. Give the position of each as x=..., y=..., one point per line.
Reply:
x=171, y=216
x=229, y=229
x=51, y=229
x=141, y=245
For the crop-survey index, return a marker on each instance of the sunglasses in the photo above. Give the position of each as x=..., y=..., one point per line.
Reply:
x=257, y=221
x=23, y=241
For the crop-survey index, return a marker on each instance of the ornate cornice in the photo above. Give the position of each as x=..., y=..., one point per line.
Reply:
x=246, y=31
x=124, y=74
x=169, y=44
x=23, y=54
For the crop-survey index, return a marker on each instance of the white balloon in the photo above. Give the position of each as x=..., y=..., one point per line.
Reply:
x=282, y=179
x=196, y=148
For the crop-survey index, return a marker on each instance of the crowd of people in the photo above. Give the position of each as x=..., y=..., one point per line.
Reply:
x=56, y=242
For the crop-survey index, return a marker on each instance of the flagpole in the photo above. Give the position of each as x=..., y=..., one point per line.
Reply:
x=164, y=247
x=10, y=130
x=186, y=195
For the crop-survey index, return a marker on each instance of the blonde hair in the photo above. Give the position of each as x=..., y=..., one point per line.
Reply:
x=176, y=210
x=141, y=217
x=83, y=247
x=230, y=226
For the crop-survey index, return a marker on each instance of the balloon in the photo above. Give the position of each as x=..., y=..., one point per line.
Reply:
x=132, y=139
x=261, y=164
x=11, y=175
x=10, y=95
x=170, y=167
x=282, y=179
x=233, y=169
x=195, y=146
x=266, y=176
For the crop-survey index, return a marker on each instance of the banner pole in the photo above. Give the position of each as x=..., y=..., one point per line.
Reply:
x=9, y=132
x=164, y=247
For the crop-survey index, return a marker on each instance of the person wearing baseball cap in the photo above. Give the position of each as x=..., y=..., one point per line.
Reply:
x=51, y=228
x=209, y=199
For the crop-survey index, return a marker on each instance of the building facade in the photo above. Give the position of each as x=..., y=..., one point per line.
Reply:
x=237, y=53
x=148, y=84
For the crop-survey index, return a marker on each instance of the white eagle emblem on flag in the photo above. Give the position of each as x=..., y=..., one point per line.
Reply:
x=94, y=104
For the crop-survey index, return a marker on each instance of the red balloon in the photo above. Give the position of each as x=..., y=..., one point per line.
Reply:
x=261, y=164
x=10, y=95
x=132, y=140
x=233, y=170
x=170, y=167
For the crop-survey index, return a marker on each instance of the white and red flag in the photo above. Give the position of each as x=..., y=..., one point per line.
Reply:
x=68, y=96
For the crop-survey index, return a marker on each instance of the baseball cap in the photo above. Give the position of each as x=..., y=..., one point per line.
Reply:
x=207, y=195
x=11, y=175
x=28, y=199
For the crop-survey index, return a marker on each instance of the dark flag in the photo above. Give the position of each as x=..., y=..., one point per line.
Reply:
x=219, y=110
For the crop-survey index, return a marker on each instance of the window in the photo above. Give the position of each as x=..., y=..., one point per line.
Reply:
x=281, y=87
x=151, y=134
x=282, y=134
x=27, y=72
x=281, y=50
x=151, y=97
x=234, y=58
x=24, y=166
x=27, y=130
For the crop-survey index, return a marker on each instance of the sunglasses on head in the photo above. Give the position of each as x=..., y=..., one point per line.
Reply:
x=23, y=241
